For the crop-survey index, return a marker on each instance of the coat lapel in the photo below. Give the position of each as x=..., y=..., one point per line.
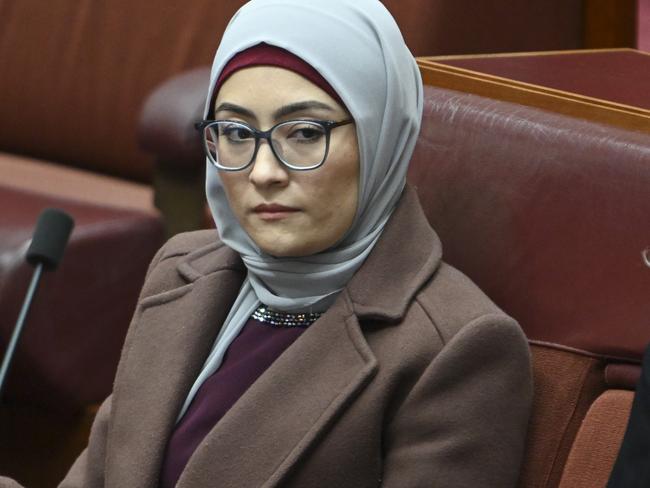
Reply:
x=288, y=407
x=174, y=334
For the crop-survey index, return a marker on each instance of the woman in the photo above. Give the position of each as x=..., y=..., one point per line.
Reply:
x=321, y=341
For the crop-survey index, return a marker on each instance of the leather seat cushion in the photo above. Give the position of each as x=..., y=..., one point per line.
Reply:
x=566, y=383
x=598, y=441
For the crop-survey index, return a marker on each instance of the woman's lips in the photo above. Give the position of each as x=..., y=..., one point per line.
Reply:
x=273, y=211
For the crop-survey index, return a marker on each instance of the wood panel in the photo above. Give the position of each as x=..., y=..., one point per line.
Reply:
x=610, y=23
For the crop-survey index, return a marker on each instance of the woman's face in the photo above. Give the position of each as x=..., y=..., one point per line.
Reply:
x=287, y=212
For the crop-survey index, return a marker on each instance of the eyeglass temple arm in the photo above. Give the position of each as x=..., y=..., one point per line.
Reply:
x=202, y=124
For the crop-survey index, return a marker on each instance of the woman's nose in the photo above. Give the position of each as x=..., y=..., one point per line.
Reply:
x=267, y=170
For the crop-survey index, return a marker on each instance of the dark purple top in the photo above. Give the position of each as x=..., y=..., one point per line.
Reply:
x=247, y=357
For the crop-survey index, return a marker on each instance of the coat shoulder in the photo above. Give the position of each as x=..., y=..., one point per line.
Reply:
x=451, y=300
x=163, y=272
x=187, y=242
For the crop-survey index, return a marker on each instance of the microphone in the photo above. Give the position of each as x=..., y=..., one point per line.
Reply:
x=45, y=252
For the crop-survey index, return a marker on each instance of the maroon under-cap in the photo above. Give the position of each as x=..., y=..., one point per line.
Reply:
x=267, y=55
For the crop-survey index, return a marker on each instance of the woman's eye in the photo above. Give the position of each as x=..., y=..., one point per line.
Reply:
x=306, y=134
x=236, y=133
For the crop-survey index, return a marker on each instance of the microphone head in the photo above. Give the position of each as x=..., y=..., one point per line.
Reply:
x=50, y=238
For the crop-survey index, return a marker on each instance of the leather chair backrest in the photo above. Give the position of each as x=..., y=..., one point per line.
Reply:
x=74, y=73
x=549, y=215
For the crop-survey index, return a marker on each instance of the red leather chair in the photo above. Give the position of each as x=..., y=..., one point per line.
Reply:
x=549, y=215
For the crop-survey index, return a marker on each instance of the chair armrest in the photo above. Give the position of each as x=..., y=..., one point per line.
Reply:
x=166, y=127
x=166, y=130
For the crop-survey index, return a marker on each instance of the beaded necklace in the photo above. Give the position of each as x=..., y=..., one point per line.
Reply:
x=277, y=319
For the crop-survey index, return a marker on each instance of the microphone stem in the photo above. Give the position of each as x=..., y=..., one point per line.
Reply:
x=6, y=361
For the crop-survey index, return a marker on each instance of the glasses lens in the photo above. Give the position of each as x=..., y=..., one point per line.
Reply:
x=229, y=145
x=300, y=144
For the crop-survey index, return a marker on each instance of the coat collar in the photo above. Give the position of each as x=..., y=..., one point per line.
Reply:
x=404, y=259
x=276, y=420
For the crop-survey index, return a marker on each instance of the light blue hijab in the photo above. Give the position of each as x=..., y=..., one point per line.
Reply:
x=358, y=48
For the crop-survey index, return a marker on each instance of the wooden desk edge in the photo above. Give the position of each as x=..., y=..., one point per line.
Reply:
x=531, y=53
x=566, y=103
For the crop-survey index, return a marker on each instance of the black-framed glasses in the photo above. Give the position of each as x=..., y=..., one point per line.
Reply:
x=298, y=144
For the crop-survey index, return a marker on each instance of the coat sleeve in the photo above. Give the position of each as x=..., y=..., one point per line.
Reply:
x=88, y=471
x=464, y=422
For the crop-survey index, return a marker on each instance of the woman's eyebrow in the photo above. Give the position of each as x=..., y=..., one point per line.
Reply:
x=299, y=107
x=231, y=107
x=281, y=112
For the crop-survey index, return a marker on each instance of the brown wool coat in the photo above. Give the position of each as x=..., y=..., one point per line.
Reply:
x=412, y=379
